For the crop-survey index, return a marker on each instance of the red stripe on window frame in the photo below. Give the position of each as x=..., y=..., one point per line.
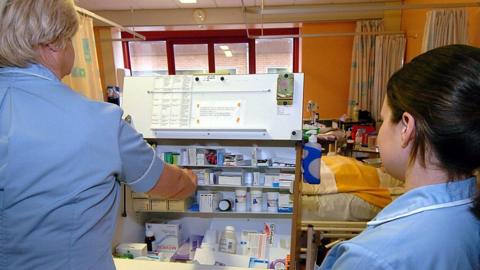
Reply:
x=126, y=55
x=170, y=58
x=211, y=58
x=296, y=54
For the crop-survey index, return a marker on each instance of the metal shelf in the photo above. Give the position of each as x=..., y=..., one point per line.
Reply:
x=240, y=167
x=223, y=214
x=248, y=187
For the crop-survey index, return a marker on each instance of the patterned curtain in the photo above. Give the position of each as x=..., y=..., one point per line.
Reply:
x=85, y=76
x=445, y=27
x=363, y=65
x=389, y=55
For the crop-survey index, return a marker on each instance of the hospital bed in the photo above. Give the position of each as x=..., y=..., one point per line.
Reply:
x=351, y=193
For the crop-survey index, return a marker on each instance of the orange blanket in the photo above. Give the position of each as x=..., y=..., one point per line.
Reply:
x=344, y=174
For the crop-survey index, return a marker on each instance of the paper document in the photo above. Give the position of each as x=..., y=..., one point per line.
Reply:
x=219, y=113
x=171, y=102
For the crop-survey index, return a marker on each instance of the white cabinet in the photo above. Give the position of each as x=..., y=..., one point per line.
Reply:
x=236, y=132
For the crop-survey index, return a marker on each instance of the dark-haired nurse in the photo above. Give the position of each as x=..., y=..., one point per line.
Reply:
x=430, y=138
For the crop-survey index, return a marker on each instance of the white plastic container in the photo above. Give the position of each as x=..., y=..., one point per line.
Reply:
x=228, y=241
x=256, y=200
x=240, y=200
x=272, y=202
x=248, y=178
x=210, y=240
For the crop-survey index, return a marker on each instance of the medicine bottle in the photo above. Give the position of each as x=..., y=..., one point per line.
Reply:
x=228, y=241
x=149, y=239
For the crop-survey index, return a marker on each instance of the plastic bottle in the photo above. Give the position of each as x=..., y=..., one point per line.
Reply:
x=356, y=110
x=228, y=241
x=312, y=154
x=256, y=200
x=241, y=200
x=149, y=239
x=359, y=137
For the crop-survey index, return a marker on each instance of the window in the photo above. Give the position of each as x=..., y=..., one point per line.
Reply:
x=191, y=58
x=231, y=58
x=274, y=55
x=148, y=58
x=208, y=51
x=277, y=70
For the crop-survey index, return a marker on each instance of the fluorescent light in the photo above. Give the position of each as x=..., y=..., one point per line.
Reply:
x=224, y=47
x=228, y=53
x=188, y=1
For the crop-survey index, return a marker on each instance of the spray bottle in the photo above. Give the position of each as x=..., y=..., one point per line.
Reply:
x=312, y=154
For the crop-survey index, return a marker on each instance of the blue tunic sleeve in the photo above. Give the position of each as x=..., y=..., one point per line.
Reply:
x=141, y=167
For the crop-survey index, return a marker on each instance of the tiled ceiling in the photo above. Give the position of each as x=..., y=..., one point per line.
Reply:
x=173, y=4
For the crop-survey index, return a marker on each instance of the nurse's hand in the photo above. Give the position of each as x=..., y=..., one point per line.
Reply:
x=174, y=183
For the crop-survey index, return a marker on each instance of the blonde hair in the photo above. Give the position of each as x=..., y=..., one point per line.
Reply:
x=27, y=24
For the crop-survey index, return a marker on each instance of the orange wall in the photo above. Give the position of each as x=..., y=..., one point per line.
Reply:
x=413, y=23
x=326, y=64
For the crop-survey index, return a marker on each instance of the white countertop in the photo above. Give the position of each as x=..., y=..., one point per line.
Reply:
x=128, y=264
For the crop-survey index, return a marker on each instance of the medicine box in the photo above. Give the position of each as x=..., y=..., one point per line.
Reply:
x=141, y=204
x=208, y=202
x=271, y=180
x=232, y=180
x=285, y=203
x=168, y=236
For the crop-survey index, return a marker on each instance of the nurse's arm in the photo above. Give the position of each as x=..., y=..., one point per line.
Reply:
x=174, y=183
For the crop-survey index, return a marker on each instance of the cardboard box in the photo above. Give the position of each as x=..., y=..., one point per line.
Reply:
x=168, y=236
x=232, y=180
x=208, y=202
x=138, y=195
x=131, y=250
x=159, y=205
x=285, y=203
x=141, y=204
x=206, y=256
x=271, y=180
x=179, y=205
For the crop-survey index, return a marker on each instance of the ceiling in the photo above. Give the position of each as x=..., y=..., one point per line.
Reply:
x=96, y=5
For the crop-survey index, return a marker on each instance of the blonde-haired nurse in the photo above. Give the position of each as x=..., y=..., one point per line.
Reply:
x=62, y=156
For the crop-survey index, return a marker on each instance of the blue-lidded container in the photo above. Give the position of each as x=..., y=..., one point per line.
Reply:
x=312, y=154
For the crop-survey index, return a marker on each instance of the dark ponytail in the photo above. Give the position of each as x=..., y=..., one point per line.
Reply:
x=441, y=89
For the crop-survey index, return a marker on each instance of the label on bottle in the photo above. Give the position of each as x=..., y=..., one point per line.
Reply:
x=228, y=245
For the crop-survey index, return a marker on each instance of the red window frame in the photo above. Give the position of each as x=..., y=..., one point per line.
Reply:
x=211, y=37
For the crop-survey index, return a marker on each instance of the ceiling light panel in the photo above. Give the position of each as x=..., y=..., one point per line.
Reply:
x=198, y=4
